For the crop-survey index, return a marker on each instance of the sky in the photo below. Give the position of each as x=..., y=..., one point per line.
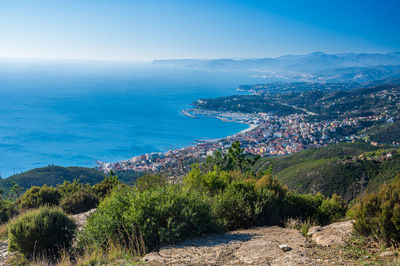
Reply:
x=131, y=30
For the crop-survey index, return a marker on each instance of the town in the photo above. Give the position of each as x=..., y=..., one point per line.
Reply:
x=268, y=135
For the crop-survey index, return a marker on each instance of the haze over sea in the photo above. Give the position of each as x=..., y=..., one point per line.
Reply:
x=74, y=113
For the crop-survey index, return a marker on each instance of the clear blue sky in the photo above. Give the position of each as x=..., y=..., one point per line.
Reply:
x=147, y=29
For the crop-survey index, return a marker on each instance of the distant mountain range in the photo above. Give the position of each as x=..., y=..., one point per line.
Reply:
x=317, y=61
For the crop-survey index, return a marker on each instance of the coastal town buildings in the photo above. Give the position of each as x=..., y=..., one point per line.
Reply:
x=268, y=135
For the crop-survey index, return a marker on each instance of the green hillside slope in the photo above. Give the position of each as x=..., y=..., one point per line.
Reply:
x=51, y=176
x=345, y=169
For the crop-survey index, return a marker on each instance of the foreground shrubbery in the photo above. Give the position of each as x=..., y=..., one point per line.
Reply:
x=157, y=213
x=77, y=197
x=79, y=201
x=41, y=232
x=378, y=214
x=242, y=205
x=160, y=216
x=39, y=196
x=216, y=196
x=8, y=209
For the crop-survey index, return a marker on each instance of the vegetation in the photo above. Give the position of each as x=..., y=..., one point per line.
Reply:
x=348, y=169
x=155, y=217
x=39, y=196
x=41, y=232
x=226, y=192
x=246, y=104
x=51, y=176
x=385, y=133
x=378, y=214
x=104, y=188
x=8, y=209
x=318, y=99
x=79, y=201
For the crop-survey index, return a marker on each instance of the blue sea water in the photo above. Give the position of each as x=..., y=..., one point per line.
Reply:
x=74, y=113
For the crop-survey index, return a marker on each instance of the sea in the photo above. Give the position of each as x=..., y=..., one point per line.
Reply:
x=74, y=113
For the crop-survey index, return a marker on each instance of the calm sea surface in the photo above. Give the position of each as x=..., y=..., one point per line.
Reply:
x=68, y=114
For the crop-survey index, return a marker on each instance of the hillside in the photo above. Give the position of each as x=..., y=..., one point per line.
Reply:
x=347, y=169
x=51, y=176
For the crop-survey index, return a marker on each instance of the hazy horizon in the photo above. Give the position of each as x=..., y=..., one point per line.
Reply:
x=137, y=31
x=2, y=58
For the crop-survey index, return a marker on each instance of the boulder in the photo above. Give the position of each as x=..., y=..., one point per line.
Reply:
x=335, y=234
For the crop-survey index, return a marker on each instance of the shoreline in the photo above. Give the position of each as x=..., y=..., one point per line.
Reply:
x=158, y=161
x=224, y=117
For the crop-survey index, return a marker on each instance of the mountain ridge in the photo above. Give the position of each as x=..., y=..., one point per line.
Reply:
x=308, y=62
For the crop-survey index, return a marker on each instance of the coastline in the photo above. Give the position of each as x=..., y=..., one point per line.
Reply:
x=244, y=131
x=158, y=161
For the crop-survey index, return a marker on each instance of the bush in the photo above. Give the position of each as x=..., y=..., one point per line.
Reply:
x=242, y=206
x=107, y=223
x=378, y=214
x=67, y=188
x=7, y=210
x=149, y=181
x=160, y=216
x=104, y=188
x=39, y=196
x=213, y=181
x=41, y=232
x=302, y=206
x=237, y=206
x=79, y=201
x=331, y=210
x=270, y=183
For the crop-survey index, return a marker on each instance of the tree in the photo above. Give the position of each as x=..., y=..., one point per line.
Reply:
x=15, y=190
x=237, y=155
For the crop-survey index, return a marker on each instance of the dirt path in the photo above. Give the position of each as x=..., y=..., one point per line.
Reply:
x=258, y=246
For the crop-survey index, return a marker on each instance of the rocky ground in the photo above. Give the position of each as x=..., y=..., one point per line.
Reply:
x=330, y=245
x=3, y=253
x=258, y=246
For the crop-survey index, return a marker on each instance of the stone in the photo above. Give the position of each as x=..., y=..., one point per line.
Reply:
x=314, y=229
x=285, y=248
x=388, y=253
x=335, y=234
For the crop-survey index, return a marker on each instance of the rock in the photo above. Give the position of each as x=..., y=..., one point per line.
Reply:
x=285, y=248
x=314, y=229
x=388, y=253
x=80, y=219
x=335, y=234
x=4, y=254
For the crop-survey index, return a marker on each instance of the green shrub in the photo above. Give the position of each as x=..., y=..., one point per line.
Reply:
x=159, y=216
x=237, y=206
x=108, y=222
x=39, y=196
x=68, y=188
x=270, y=203
x=8, y=209
x=302, y=206
x=79, y=201
x=240, y=205
x=211, y=181
x=331, y=210
x=268, y=182
x=149, y=181
x=378, y=214
x=104, y=188
x=41, y=232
